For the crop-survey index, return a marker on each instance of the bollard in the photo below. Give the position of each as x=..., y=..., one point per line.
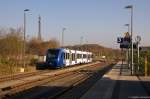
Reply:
x=146, y=66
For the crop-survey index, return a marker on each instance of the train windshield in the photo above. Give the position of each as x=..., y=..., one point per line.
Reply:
x=52, y=54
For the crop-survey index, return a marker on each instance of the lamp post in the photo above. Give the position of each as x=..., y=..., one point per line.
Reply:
x=24, y=45
x=63, y=37
x=131, y=8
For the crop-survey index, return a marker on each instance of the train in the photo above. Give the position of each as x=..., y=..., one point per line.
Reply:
x=63, y=57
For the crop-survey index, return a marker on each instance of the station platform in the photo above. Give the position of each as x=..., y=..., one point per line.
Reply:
x=119, y=84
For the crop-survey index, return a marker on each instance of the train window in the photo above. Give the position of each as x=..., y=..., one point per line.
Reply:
x=89, y=56
x=92, y=56
x=78, y=55
x=84, y=55
x=73, y=57
x=67, y=55
x=64, y=55
x=52, y=54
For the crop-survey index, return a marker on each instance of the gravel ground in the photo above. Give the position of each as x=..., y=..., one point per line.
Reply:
x=51, y=89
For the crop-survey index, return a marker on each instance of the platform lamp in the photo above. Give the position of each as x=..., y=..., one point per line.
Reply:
x=131, y=9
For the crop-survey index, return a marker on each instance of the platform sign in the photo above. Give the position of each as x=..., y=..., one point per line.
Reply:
x=119, y=39
x=128, y=45
x=127, y=39
x=138, y=39
x=125, y=44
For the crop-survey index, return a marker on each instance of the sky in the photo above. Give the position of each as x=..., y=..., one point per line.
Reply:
x=97, y=21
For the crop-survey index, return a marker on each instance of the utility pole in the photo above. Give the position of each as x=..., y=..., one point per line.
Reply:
x=39, y=28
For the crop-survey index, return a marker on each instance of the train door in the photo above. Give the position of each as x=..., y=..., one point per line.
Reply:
x=70, y=57
x=62, y=59
x=76, y=57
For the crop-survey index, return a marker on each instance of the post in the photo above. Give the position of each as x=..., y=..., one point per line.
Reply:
x=146, y=66
x=132, y=39
x=138, y=57
x=132, y=67
x=129, y=58
x=121, y=61
x=128, y=50
x=138, y=39
x=39, y=28
x=24, y=44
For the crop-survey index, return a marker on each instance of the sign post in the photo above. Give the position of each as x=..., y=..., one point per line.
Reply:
x=125, y=42
x=138, y=39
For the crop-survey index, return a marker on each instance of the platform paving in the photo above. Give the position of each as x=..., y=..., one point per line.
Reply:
x=119, y=84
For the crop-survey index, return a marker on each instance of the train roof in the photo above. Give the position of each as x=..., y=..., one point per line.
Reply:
x=70, y=50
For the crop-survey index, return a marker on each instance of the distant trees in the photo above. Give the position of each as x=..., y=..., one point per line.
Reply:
x=39, y=47
x=11, y=46
x=10, y=42
x=98, y=51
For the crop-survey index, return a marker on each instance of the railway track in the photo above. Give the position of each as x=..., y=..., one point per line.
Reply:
x=20, y=75
x=27, y=74
x=46, y=78
x=76, y=90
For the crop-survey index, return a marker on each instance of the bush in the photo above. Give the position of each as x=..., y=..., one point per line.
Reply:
x=33, y=61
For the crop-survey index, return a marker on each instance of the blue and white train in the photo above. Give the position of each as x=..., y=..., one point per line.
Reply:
x=61, y=57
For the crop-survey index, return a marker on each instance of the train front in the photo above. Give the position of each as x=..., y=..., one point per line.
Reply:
x=53, y=58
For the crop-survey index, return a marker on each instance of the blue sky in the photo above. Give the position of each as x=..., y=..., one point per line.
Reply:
x=98, y=21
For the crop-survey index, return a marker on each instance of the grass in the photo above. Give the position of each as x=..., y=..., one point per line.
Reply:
x=9, y=70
